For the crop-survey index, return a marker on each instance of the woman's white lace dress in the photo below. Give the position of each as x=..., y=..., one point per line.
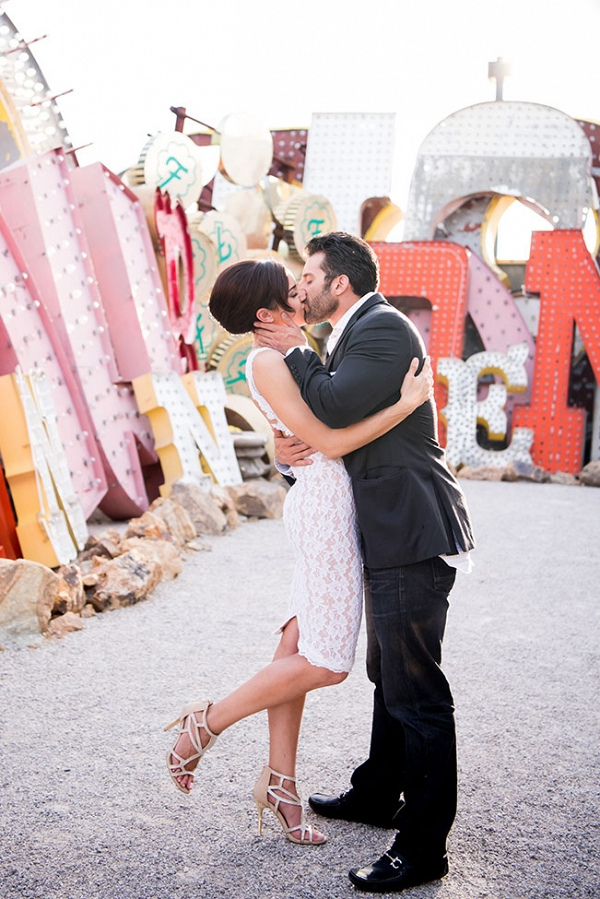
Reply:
x=320, y=520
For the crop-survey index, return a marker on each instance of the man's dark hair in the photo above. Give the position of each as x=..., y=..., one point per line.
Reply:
x=348, y=255
x=243, y=288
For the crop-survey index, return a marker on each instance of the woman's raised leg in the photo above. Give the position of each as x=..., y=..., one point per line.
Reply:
x=286, y=679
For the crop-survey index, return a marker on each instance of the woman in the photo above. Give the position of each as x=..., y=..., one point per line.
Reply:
x=318, y=639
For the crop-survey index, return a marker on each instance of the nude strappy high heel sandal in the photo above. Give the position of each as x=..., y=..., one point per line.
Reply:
x=176, y=764
x=261, y=792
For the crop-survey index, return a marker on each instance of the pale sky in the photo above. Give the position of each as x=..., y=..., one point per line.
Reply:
x=128, y=61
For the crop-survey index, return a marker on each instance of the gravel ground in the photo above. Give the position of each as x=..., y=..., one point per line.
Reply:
x=87, y=808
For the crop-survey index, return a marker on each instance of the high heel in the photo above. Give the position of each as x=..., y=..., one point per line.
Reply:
x=263, y=789
x=176, y=764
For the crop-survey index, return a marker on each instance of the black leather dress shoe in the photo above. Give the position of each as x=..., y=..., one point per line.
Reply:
x=346, y=808
x=391, y=873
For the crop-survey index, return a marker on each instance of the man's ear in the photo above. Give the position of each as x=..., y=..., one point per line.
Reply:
x=340, y=284
x=264, y=315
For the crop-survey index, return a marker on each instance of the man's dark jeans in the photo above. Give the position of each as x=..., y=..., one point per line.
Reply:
x=413, y=740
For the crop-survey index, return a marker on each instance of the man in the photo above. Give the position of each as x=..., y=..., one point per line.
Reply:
x=415, y=531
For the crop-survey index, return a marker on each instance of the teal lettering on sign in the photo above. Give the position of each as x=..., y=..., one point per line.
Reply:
x=173, y=173
x=315, y=226
x=225, y=245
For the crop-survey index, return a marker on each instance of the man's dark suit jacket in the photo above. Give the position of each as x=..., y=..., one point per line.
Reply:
x=409, y=506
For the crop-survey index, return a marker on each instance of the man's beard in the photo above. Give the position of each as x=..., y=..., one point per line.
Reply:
x=320, y=308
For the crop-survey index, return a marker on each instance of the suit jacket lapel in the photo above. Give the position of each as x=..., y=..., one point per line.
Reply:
x=334, y=358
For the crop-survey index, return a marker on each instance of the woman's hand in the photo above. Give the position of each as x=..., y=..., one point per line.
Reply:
x=417, y=389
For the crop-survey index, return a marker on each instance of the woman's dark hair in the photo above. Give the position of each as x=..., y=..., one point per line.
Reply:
x=348, y=255
x=245, y=287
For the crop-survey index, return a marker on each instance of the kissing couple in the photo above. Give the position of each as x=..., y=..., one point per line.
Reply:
x=374, y=512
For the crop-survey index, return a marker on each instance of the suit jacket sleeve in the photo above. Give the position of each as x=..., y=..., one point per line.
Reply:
x=377, y=352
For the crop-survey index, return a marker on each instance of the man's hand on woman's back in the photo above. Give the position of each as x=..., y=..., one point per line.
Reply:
x=291, y=451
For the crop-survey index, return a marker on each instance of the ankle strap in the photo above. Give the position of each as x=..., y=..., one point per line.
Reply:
x=204, y=723
x=282, y=776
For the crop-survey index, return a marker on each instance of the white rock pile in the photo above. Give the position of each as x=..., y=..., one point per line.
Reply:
x=119, y=568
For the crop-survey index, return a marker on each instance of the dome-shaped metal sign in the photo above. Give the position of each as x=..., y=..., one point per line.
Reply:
x=302, y=217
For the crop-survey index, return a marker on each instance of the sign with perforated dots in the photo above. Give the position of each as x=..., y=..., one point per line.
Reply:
x=566, y=277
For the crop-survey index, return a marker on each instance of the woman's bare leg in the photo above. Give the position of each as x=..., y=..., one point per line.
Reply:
x=285, y=719
x=286, y=679
x=284, y=727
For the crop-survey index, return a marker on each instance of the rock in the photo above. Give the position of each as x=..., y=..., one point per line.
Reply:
x=176, y=518
x=563, y=477
x=27, y=595
x=483, y=473
x=70, y=595
x=88, y=611
x=525, y=471
x=89, y=565
x=91, y=572
x=106, y=545
x=249, y=440
x=162, y=552
x=121, y=581
x=251, y=453
x=258, y=498
x=203, y=509
x=110, y=535
x=197, y=546
x=148, y=525
x=590, y=474
x=64, y=624
x=226, y=505
x=253, y=468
